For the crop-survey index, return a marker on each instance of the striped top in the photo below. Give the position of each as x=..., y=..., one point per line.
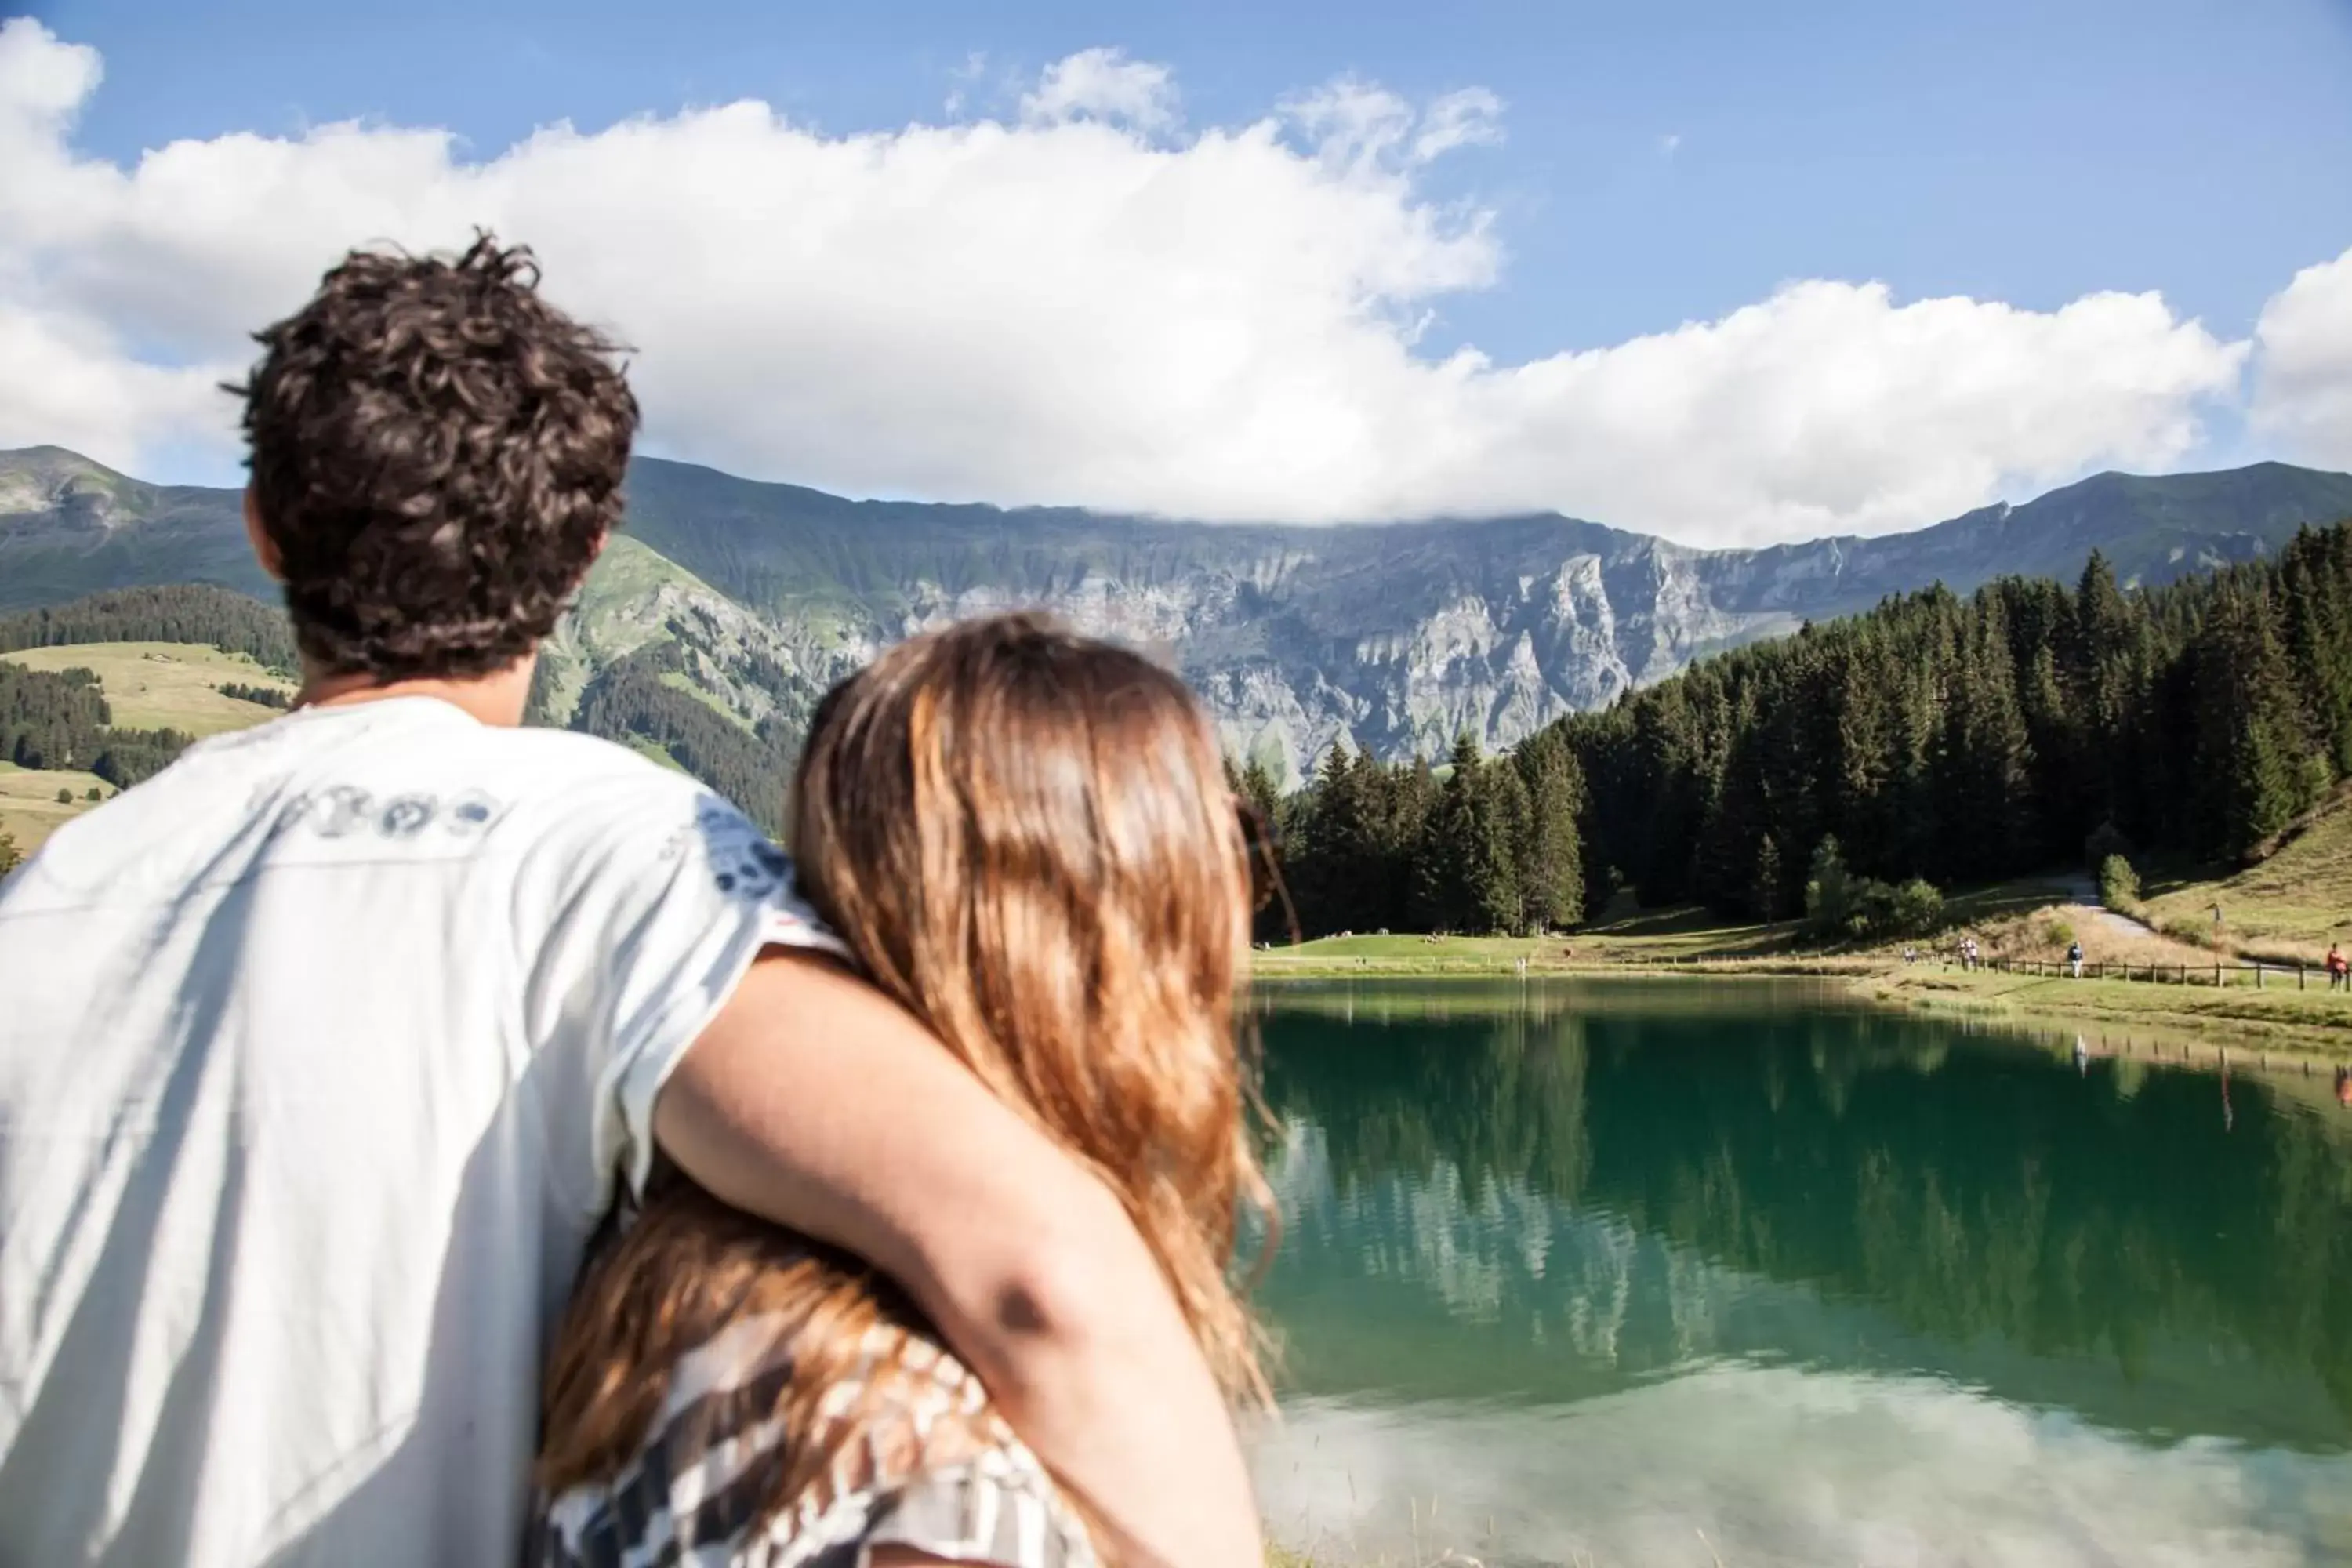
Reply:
x=932, y=1467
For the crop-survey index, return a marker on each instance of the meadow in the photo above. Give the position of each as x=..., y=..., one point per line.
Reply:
x=147, y=686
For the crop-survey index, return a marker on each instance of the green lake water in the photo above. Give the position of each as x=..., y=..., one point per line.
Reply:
x=1646, y=1273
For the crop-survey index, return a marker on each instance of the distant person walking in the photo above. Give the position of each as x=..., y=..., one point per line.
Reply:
x=2074, y=957
x=2339, y=972
x=323, y=1050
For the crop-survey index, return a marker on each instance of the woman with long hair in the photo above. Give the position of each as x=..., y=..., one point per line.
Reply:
x=1026, y=839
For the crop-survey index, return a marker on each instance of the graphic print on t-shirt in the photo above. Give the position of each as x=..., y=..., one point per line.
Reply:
x=742, y=861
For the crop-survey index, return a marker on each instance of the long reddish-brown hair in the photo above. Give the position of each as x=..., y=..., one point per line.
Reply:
x=1026, y=839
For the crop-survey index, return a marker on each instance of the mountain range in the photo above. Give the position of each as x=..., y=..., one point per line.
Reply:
x=1393, y=636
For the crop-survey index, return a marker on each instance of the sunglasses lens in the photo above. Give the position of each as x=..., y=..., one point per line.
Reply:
x=1258, y=848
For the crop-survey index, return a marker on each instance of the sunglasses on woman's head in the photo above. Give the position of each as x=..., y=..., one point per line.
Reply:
x=1264, y=866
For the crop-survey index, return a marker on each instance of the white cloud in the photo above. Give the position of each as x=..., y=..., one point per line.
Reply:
x=66, y=384
x=1470, y=118
x=1355, y=126
x=1082, y=305
x=2302, y=390
x=1107, y=85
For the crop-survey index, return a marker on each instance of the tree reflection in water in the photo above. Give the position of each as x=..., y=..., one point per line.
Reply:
x=1552, y=1193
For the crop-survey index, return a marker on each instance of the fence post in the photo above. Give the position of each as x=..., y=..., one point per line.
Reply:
x=2217, y=974
x=2298, y=976
x=2258, y=975
x=2184, y=974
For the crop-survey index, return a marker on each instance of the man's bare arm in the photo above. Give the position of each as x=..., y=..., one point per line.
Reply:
x=814, y=1101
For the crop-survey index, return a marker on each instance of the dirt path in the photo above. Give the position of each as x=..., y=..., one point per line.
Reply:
x=2085, y=891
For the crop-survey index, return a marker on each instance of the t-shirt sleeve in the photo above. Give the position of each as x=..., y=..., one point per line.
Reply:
x=649, y=901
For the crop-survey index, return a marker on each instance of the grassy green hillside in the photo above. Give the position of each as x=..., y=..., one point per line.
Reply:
x=165, y=686
x=29, y=807
x=147, y=686
x=2290, y=904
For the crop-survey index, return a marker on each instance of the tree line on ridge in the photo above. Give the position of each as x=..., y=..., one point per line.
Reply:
x=58, y=720
x=1933, y=740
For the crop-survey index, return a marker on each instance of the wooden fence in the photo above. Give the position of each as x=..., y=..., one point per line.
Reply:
x=2257, y=973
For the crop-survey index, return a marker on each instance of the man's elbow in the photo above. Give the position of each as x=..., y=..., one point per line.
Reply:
x=1070, y=1291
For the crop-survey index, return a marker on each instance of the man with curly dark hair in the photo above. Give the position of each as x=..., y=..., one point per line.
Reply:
x=436, y=458
x=325, y=1049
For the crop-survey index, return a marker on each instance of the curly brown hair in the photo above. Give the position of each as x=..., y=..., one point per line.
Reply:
x=437, y=453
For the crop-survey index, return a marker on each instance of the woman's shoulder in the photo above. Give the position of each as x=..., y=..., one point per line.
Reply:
x=917, y=1457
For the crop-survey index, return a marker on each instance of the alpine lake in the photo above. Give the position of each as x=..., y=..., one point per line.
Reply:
x=1639, y=1273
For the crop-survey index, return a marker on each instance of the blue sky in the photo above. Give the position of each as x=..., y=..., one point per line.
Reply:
x=1657, y=164
x=2027, y=151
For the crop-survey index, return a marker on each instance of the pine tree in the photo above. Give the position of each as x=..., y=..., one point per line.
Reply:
x=1551, y=868
x=1254, y=790
x=1447, y=885
x=1255, y=787
x=2053, y=805
x=2096, y=671
x=1981, y=764
x=1410, y=795
x=1829, y=891
x=2315, y=587
x=1768, y=899
x=1859, y=724
x=1499, y=893
x=1669, y=795
x=2251, y=747
x=1345, y=853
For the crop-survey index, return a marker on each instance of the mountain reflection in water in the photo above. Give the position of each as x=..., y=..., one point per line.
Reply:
x=1598, y=1266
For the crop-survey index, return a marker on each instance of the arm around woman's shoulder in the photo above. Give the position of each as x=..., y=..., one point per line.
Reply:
x=814, y=1100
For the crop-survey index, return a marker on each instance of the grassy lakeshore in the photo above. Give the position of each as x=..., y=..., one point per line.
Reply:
x=2277, y=1019
x=2020, y=922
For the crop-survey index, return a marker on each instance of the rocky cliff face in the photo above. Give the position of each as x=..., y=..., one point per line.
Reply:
x=1394, y=637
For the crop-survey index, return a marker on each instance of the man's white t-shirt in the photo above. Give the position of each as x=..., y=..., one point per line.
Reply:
x=320, y=1056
